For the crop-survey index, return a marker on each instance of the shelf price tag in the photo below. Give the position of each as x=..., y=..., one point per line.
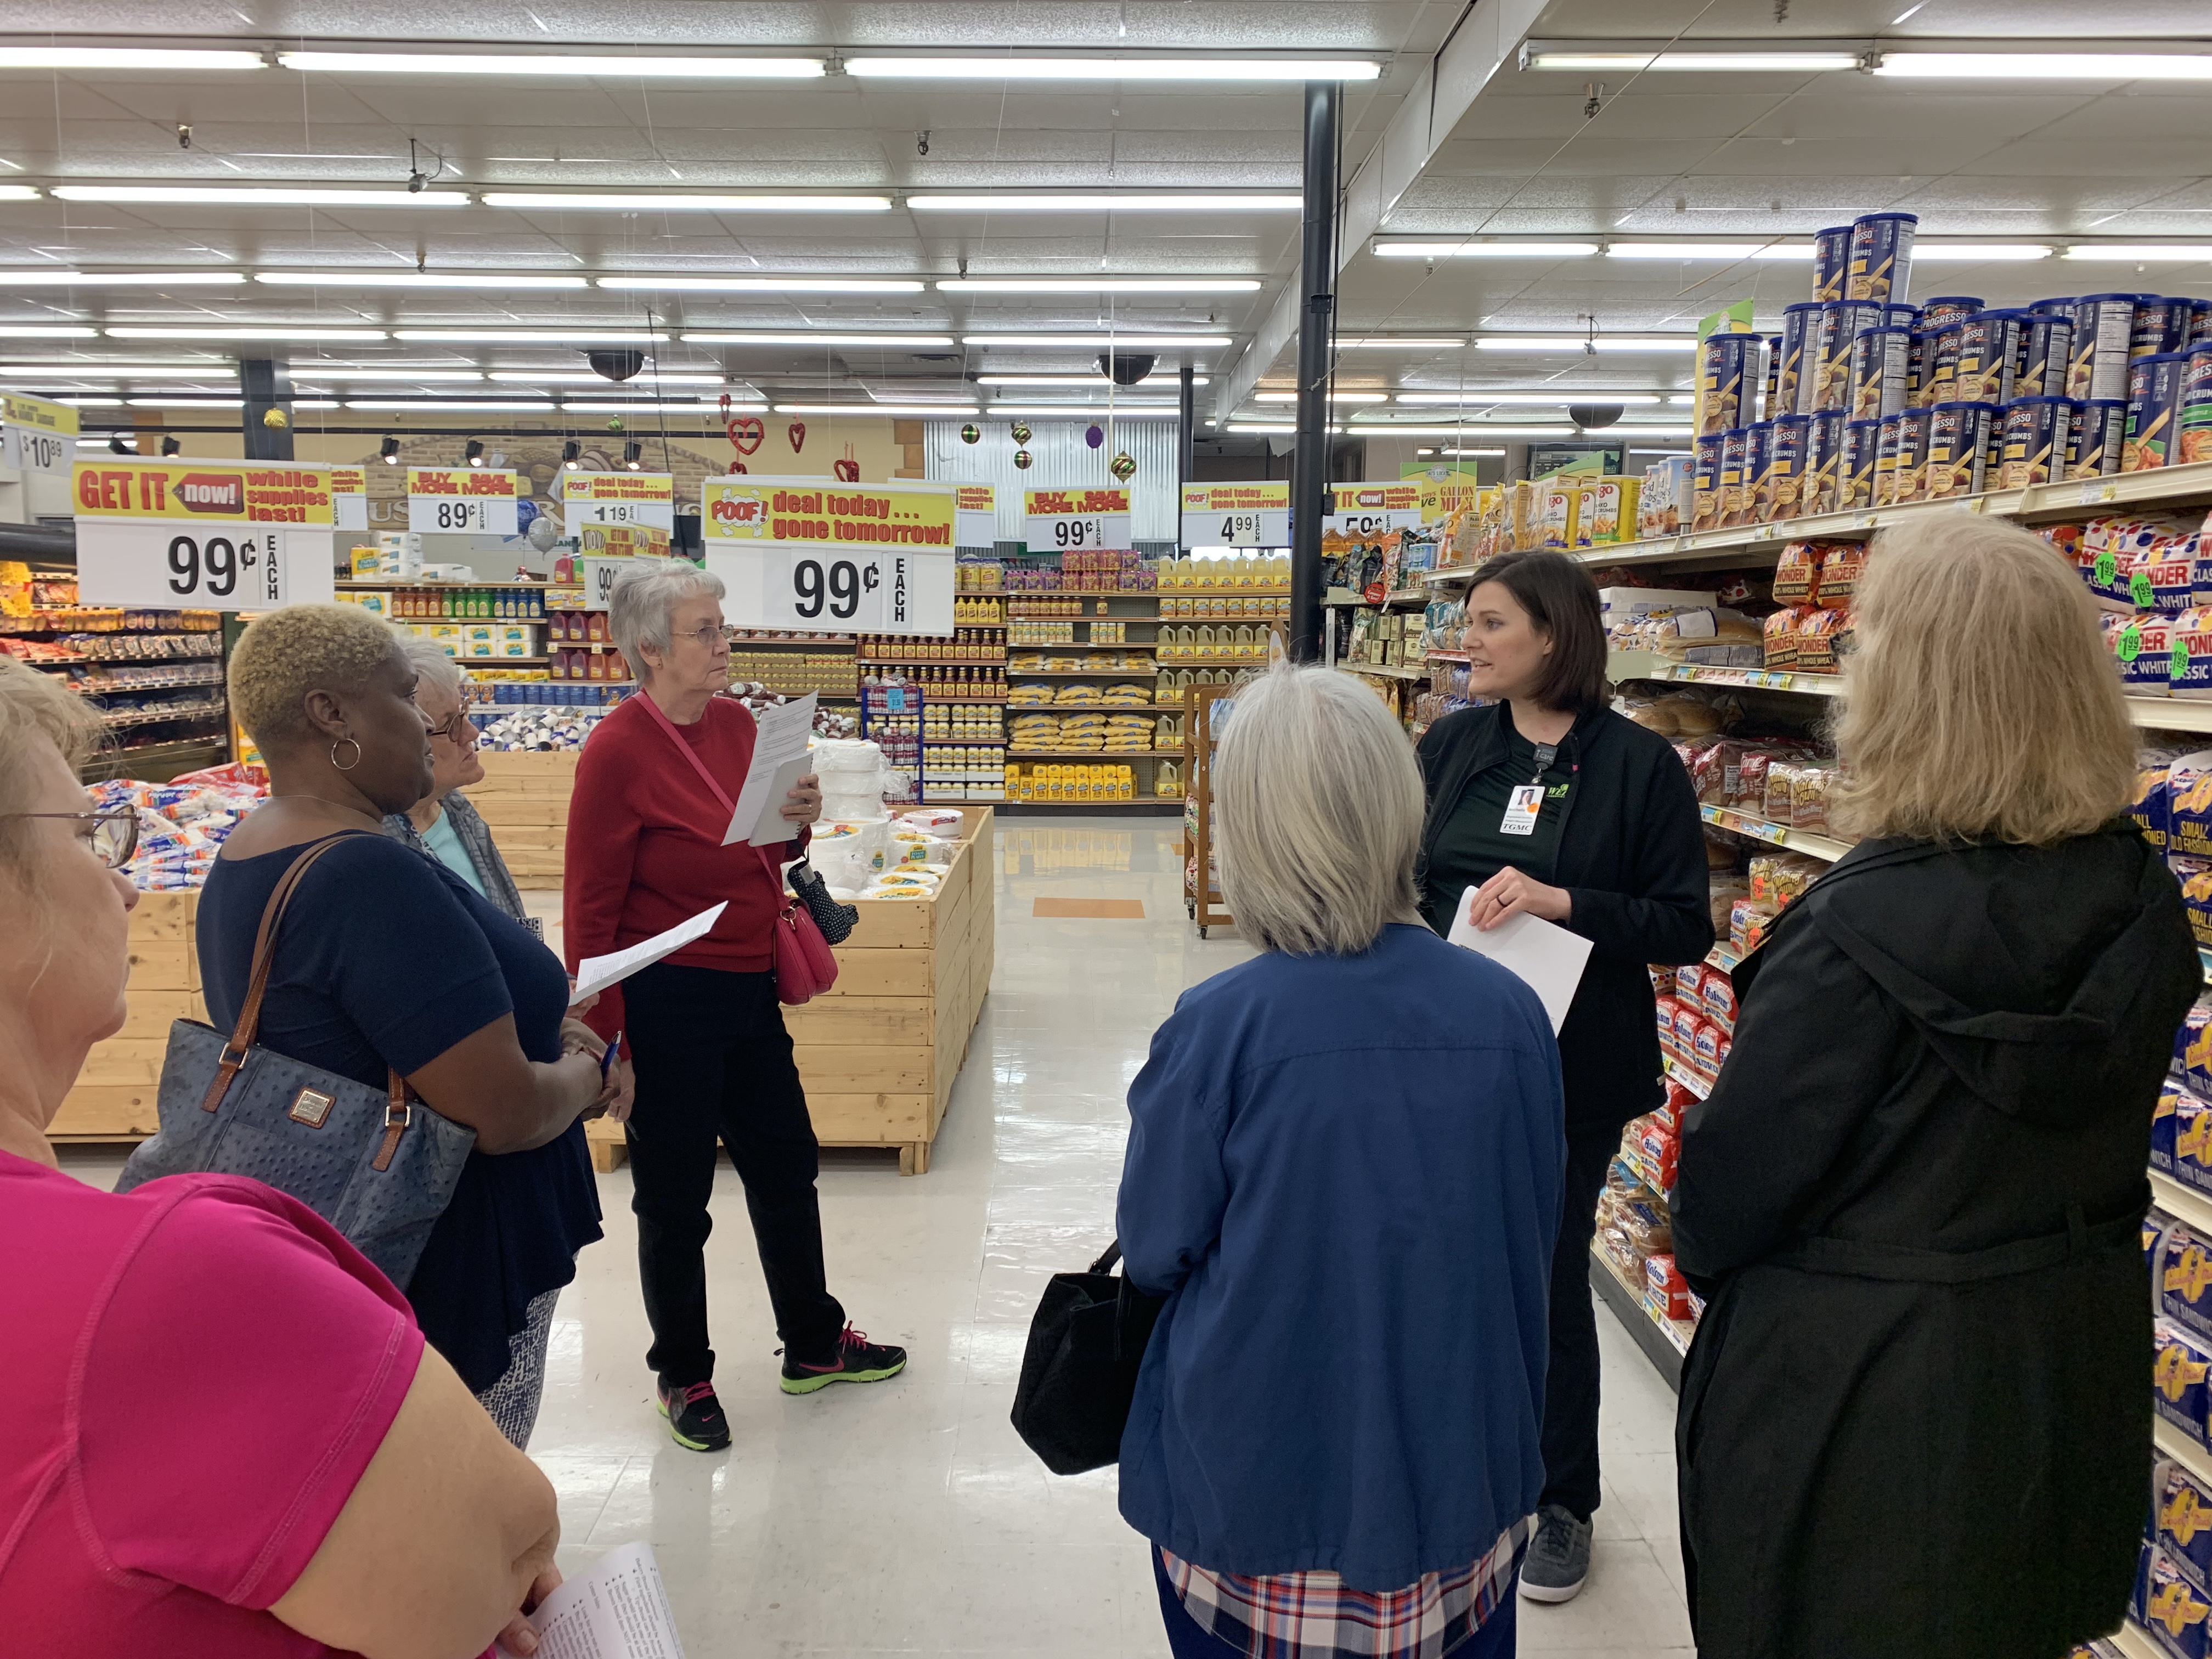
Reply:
x=618, y=499
x=1075, y=520
x=37, y=436
x=203, y=535
x=800, y=553
x=1256, y=514
x=463, y=501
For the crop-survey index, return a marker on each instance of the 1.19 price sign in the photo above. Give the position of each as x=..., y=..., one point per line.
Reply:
x=203, y=535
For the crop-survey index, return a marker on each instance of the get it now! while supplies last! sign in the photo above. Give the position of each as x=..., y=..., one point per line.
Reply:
x=203, y=535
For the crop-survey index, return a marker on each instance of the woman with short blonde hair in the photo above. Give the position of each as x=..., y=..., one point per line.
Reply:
x=1914, y=1198
x=1343, y=1173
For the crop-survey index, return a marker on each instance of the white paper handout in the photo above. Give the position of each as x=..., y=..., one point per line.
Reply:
x=617, y=1610
x=595, y=974
x=779, y=762
x=1548, y=956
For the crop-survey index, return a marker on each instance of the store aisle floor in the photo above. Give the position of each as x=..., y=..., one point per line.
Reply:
x=906, y=1516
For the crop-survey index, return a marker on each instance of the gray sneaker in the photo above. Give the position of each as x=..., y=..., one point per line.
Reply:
x=1557, y=1564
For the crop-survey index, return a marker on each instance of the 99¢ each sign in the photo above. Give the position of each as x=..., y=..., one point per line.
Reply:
x=37, y=436
x=839, y=558
x=203, y=535
x=618, y=498
x=1376, y=509
x=1074, y=520
x=1236, y=515
x=464, y=500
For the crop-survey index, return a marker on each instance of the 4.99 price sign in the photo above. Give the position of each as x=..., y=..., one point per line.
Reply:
x=203, y=535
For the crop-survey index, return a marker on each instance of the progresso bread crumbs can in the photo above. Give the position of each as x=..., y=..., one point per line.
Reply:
x=1948, y=308
x=2153, y=405
x=1792, y=385
x=1758, y=439
x=1879, y=358
x=1854, y=465
x=1723, y=359
x=1840, y=323
x=2037, y=432
x=1731, y=480
x=1824, y=449
x=1939, y=382
x=2200, y=322
x=1782, y=484
x=1911, y=475
x=2044, y=339
x=1959, y=438
x=1881, y=257
x=2058, y=306
x=1988, y=356
x=2194, y=436
x=1885, y=459
x=1831, y=261
x=1705, y=480
x=2104, y=326
x=2160, y=324
x=2100, y=430
x=1768, y=408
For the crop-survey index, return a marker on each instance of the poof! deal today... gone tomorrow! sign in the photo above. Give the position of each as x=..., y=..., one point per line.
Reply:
x=1256, y=515
x=804, y=553
x=203, y=535
x=618, y=498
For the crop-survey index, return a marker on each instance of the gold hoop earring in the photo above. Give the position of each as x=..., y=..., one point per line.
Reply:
x=348, y=765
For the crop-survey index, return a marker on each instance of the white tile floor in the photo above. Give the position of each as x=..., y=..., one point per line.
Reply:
x=906, y=1516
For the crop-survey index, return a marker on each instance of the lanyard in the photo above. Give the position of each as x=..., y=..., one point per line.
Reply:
x=1546, y=754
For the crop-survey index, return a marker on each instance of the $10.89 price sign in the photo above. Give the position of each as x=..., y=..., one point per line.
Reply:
x=203, y=535
x=837, y=558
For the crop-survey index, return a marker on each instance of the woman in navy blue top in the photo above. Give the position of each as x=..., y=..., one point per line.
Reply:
x=387, y=959
x=1343, y=1172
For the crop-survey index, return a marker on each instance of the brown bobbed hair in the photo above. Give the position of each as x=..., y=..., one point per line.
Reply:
x=1562, y=602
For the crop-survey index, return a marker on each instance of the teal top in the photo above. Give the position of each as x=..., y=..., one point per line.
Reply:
x=442, y=841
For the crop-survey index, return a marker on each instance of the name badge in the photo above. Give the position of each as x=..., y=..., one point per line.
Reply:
x=1521, y=807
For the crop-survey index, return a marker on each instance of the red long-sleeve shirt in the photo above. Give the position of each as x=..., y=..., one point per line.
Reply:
x=644, y=851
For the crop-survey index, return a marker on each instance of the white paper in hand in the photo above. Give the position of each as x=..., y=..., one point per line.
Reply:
x=618, y=1610
x=779, y=762
x=595, y=974
x=1549, y=958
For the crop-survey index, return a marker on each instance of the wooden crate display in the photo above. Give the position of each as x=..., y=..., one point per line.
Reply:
x=878, y=1054
x=523, y=798
x=117, y=1094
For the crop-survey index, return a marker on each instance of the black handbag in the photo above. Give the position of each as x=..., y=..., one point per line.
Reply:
x=1080, y=1370
x=835, y=920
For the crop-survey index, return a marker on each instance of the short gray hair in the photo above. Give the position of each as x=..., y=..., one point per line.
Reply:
x=432, y=662
x=643, y=599
x=1318, y=807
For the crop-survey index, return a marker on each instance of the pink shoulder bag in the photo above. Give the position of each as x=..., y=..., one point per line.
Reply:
x=805, y=966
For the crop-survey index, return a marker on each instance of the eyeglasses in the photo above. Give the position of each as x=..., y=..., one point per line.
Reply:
x=454, y=724
x=708, y=636
x=113, y=835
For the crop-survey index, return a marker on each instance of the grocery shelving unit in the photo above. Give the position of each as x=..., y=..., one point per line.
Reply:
x=1665, y=1342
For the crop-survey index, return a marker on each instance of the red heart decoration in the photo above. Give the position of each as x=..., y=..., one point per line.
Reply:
x=737, y=466
x=797, y=433
x=723, y=403
x=746, y=434
x=847, y=472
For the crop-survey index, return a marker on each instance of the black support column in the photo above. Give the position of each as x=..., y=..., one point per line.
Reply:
x=1316, y=318
x=1187, y=436
x=265, y=383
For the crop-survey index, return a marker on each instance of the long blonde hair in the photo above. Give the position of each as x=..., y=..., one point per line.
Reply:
x=1981, y=703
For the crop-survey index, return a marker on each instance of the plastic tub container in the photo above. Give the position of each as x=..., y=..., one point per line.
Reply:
x=1881, y=257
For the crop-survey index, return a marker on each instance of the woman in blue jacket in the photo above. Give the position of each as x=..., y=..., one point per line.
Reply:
x=1343, y=1172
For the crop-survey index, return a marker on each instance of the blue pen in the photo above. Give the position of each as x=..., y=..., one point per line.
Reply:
x=607, y=1056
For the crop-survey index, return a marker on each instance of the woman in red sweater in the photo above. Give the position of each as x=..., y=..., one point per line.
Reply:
x=703, y=1026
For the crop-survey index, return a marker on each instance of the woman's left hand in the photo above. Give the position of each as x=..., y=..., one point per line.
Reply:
x=1510, y=893
x=804, y=803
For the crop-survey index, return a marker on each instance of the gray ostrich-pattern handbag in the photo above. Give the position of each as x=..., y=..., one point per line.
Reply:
x=376, y=1163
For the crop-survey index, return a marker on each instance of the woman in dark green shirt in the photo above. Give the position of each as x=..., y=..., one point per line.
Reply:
x=1547, y=802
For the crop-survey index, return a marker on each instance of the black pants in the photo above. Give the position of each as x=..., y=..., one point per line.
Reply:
x=1571, y=1387
x=714, y=1062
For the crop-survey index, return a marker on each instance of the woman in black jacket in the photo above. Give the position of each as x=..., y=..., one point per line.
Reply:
x=1547, y=802
x=1916, y=1418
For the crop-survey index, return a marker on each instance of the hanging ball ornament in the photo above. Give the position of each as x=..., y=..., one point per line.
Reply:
x=1123, y=466
x=971, y=434
x=1094, y=435
x=1021, y=433
x=1022, y=459
x=275, y=419
x=614, y=423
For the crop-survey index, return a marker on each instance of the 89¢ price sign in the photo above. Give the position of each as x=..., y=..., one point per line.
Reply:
x=203, y=536
x=463, y=501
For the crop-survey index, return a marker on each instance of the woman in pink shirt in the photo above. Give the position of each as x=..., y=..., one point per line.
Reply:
x=220, y=1434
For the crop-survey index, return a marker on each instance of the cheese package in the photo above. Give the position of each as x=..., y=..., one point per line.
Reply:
x=2184, y=1522
x=2162, y=1120
x=2179, y=1366
x=2189, y=806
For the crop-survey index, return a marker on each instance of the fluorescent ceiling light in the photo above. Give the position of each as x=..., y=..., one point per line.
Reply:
x=115, y=371
x=697, y=408
x=1701, y=62
x=1981, y=251
x=120, y=278
x=888, y=341
x=1469, y=452
x=258, y=196
x=181, y=401
x=1112, y=201
x=47, y=332
x=215, y=331
x=677, y=282
x=456, y=406
x=1099, y=381
x=1098, y=285
x=586, y=377
x=1434, y=250
x=1573, y=343
x=326, y=371
x=1405, y=342
x=553, y=63
x=613, y=335
x=2050, y=66
x=411, y=279
x=1710, y=251
x=1113, y=69
x=1274, y=426
x=681, y=202
x=128, y=58
x=90, y=403
x=1120, y=411
x=18, y=193
x=1334, y=398
x=2139, y=253
x=1478, y=399
x=1093, y=342
x=876, y=408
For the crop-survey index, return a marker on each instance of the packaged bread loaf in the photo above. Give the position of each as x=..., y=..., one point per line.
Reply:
x=1797, y=573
